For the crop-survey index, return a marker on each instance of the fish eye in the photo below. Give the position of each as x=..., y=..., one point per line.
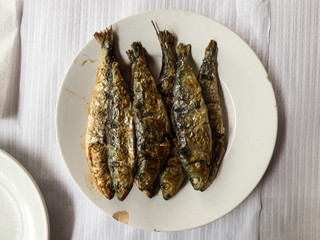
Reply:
x=165, y=186
x=197, y=165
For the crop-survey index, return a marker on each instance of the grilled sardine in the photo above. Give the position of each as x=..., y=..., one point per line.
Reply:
x=172, y=175
x=152, y=127
x=208, y=79
x=191, y=121
x=120, y=134
x=96, y=135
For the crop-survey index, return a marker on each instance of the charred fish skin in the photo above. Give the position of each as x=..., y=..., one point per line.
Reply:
x=120, y=134
x=96, y=140
x=172, y=175
x=208, y=78
x=152, y=127
x=191, y=121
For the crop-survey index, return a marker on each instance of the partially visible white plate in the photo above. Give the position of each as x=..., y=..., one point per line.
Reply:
x=251, y=119
x=23, y=213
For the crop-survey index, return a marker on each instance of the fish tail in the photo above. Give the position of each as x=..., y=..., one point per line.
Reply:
x=105, y=38
x=166, y=38
x=136, y=52
x=212, y=51
x=183, y=50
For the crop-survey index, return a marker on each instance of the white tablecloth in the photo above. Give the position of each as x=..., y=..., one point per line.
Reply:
x=285, y=35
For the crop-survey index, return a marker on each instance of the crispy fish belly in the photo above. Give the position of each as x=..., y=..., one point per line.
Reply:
x=191, y=121
x=96, y=135
x=208, y=79
x=172, y=175
x=152, y=126
x=120, y=134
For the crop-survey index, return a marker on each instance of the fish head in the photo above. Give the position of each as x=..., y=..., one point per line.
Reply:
x=198, y=173
x=148, y=171
x=122, y=182
x=171, y=178
x=169, y=187
x=168, y=184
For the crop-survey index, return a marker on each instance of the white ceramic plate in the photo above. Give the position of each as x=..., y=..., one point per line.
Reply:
x=23, y=213
x=251, y=118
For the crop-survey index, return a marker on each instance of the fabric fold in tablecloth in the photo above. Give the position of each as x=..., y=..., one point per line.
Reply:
x=9, y=29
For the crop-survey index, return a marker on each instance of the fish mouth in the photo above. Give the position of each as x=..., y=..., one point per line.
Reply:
x=167, y=190
x=123, y=193
x=122, y=185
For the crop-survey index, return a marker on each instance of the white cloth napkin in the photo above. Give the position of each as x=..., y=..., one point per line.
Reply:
x=9, y=32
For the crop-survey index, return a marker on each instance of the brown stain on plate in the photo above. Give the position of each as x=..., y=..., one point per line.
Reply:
x=87, y=60
x=76, y=59
x=84, y=62
x=89, y=180
x=73, y=93
x=83, y=140
x=83, y=145
x=268, y=78
x=122, y=216
x=91, y=185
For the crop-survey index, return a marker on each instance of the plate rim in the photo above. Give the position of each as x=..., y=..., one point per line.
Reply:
x=34, y=185
x=257, y=59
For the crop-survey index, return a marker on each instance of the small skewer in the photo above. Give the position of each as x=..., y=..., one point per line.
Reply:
x=155, y=27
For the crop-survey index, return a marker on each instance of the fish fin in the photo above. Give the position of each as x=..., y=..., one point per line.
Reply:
x=136, y=52
x=105, y=38
x=211, y=51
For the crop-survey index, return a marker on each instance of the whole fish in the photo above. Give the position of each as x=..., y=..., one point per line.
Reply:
x=208, y=78
x=152, y=127
x=191, y=121
x=96, y=135
x=120, y=134
x=172, y=175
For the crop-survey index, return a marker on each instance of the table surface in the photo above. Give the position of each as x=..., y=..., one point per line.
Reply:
x=284, y=34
